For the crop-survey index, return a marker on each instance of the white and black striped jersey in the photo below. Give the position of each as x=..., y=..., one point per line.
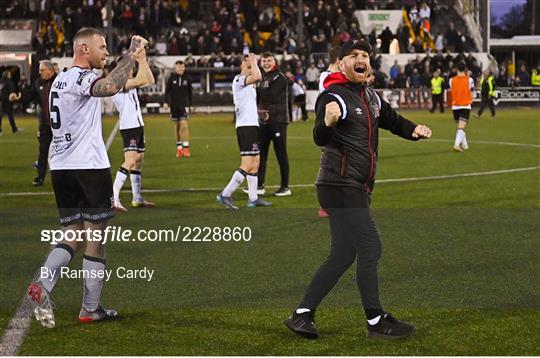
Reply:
x=127, y=104
x=76, y=122
x=245, y=102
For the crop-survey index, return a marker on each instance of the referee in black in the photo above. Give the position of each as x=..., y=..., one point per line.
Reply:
x=273, y=98
x=40, y=94
x=349, y=114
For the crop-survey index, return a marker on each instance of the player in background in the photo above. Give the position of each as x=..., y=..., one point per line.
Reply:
x=247, y=133
x=132, y=131
x=80, y=170
x=461, y=86
x=178, y=96
x=40, y=94
x=332, y=67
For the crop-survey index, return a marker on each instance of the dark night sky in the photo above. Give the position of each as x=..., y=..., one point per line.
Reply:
x=501, y=7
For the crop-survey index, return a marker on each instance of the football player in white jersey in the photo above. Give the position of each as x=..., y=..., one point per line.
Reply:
x=332, y=67
x=80, y=171
x=132, y=131
x=247, y=132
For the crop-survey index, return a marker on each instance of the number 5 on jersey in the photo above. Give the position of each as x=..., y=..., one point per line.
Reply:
x=55, y=112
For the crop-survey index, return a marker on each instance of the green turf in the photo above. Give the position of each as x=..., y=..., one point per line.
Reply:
x=460, y=255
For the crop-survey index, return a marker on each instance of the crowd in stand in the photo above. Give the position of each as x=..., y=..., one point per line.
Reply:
x=179, y=28
x=231, y=28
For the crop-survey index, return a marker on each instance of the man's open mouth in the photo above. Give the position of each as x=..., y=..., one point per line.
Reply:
x=360, y=69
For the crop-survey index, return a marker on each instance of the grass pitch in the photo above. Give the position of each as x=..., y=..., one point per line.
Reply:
x=460, y=254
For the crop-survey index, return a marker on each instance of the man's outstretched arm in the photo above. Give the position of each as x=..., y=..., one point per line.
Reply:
x=399, y=125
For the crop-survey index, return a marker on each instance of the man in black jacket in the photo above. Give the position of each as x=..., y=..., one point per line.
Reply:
x=8, y=94
x=349, y=115
x=40, y=94
x=273, y=98
x=178, y=95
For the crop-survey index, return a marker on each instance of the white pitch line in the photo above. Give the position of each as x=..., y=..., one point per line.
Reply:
x=112, y=135
x=381, y=181
x=16, y=329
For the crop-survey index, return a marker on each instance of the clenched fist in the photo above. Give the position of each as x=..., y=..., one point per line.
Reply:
x=332, y=115
x=421, y=132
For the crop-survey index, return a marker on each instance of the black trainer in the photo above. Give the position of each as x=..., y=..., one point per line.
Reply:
x=389, y=328
x=283, y=191
x=303, y=324
x=37, y=181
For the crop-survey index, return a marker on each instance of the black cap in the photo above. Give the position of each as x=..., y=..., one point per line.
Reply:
x=354, y=45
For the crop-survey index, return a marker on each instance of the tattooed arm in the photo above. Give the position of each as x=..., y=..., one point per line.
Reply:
x=117, y=78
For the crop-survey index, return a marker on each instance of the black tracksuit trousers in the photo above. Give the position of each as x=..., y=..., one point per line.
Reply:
x=277, y=134
x=487, y=102
x=353, y=237
x=437, y=99
x=45, y=138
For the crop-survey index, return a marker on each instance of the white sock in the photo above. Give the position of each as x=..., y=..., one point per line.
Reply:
x=252, y=181
x=136, y=185
x=179, y=145
x=58, y=257
x=374, y=321
x=185, y=144
x=302, y=310
x=94, y=269
x=236, y=180
x=464, y=143
x=121, y=176
x=459, y=135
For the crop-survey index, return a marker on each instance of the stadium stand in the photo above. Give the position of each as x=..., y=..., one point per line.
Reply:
x=211, y=36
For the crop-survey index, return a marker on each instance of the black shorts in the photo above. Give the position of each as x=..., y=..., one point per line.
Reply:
x=133, y=139
x=461, y=114
x=83, y=195
x=248, y=140
x=179, y=113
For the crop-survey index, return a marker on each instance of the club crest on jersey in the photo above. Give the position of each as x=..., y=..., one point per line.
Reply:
x=358, y=110
x=81, y=77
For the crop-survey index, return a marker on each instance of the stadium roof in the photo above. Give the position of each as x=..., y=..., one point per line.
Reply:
x=516, y=42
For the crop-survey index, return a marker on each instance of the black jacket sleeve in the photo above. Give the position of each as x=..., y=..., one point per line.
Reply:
x=168, y=90
x=395, y=122
x=190, y=92
x=321, y=133
x=35, y=95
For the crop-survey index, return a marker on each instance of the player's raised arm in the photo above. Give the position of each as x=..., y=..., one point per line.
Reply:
x=144, y=76
x=117, y=78
x=255, y=75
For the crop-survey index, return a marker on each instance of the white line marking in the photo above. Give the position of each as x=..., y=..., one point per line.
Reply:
x=381, y=181
x=112, y=135
x=167, y=138
x=16, y=329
